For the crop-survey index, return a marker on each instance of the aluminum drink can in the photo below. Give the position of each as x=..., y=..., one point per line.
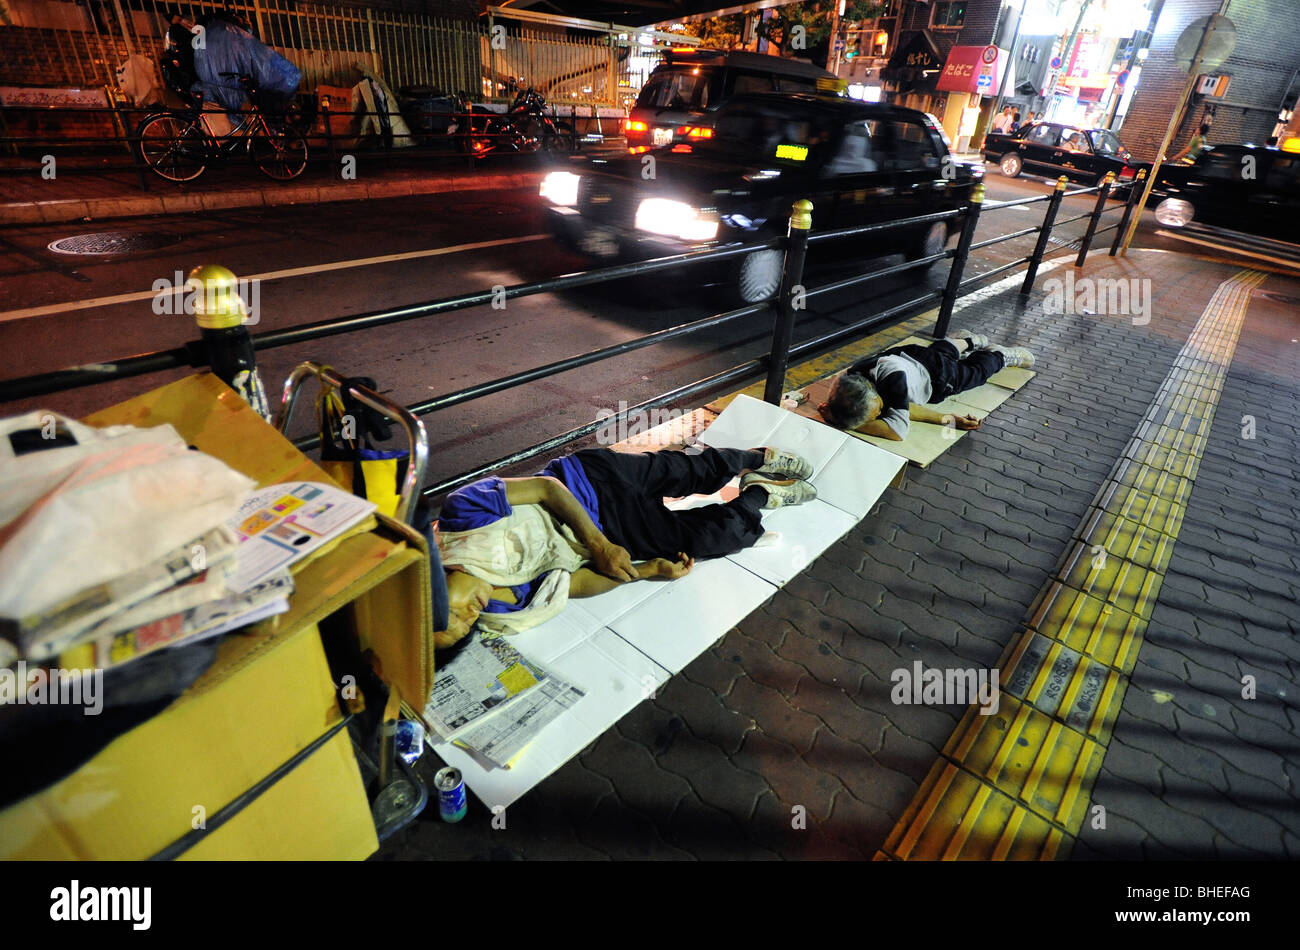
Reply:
x=452, y=803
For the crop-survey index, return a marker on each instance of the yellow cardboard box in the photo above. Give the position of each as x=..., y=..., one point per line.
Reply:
x=268, y=696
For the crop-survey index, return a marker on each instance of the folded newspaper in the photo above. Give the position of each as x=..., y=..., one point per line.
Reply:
x=198, y=570
x=210, y=619
x=494, y=701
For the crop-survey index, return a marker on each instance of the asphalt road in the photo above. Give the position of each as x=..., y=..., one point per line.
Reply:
x=448, y=244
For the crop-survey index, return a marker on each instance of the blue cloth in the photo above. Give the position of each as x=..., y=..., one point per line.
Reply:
x=475, y=506
x=483, y=502
x=523, y=597
x=229, y=49
x=570, y=471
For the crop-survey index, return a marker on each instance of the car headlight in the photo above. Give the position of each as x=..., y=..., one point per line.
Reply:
x=675, y=219
x=560, y=188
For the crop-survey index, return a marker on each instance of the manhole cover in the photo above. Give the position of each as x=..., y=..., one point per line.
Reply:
x=113, y=242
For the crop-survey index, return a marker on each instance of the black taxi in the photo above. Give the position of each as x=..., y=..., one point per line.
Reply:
x=1053, y=149
x=1254, y=189
x=859, y=163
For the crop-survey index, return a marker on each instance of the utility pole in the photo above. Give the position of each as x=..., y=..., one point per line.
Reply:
x=1011, y=61
x=1174, y=121
x=833, y=55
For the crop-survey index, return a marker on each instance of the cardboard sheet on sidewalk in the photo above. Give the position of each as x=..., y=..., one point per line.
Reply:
x=925, y=441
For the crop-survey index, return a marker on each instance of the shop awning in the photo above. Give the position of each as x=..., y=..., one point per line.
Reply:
x=912, y=57
x=973, y=69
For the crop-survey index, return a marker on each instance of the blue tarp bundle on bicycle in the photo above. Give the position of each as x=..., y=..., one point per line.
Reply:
x=228, y=48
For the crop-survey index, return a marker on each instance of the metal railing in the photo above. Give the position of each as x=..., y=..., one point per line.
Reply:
x=786, y=302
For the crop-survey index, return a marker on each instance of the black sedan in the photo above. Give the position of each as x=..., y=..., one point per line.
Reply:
x=1250, y=188
x=859, y=163
x=1052, y=149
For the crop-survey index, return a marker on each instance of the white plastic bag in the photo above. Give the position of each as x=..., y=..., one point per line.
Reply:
x=83, y=514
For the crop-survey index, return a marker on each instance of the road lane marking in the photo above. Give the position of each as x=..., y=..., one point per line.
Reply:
x=290, y=272
x=1288, y=264
x=1066, y=672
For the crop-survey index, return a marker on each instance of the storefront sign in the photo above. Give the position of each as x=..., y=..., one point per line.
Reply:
x=917, y=53
x=970, y=70
x=54, y=98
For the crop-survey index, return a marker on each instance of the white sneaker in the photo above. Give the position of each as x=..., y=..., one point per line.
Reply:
x=1015, y=356
x=978, y=340
x=785, y=464
x=780, y=491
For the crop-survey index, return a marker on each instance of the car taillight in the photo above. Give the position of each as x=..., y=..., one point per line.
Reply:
x=633, y=125
x=1127, y=172
x=694, y=132
x=638, y=149
x=682, y=149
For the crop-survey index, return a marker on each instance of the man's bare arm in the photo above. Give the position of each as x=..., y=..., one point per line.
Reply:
x=919, y=413
x=879, y=429
x=553, y=495
x=585, y=582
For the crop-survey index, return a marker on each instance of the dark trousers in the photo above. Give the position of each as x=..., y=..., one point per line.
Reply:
x=630, y=489
x=950, y=372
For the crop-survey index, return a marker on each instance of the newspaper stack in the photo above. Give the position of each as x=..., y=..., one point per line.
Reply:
x=115, y=543
x=493, y=701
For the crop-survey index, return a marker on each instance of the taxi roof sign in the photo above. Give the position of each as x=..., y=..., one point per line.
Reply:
x=1291, y=144
x=796, y=153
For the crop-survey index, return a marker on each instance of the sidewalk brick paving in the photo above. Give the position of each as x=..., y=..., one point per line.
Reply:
x=790, y=713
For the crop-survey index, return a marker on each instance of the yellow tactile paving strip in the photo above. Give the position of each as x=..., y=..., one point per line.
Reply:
x=1016, y=784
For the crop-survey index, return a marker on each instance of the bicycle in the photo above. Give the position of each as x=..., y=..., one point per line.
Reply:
x=179, y=145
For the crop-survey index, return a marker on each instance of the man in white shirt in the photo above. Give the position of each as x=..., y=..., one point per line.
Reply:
x=880, y=395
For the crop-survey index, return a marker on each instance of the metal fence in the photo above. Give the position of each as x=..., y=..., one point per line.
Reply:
x=772, y=366
x=327, y=41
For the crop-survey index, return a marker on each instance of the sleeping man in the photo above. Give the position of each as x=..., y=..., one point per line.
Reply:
x=880, y=395
x=516, y=549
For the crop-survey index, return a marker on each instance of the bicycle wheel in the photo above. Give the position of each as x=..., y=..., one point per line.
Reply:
x=279, y=153
x=173, y=147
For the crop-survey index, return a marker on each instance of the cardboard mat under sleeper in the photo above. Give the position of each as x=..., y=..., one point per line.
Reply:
x=620, y=646
x=925, y=441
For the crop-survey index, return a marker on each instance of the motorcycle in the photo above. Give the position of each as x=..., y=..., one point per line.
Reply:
x=527, y=126
x=477, y=130
x=529, y=114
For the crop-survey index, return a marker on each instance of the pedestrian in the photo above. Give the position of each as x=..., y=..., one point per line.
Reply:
x=1194, y=148
x=516, y=549
x=1002, y=120
x=881, y=394
x=1015, y=121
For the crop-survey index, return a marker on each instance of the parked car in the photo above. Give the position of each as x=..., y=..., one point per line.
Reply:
x=1249, y=188
x=1052, y=149
x=859, y=163
x=680, y=99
